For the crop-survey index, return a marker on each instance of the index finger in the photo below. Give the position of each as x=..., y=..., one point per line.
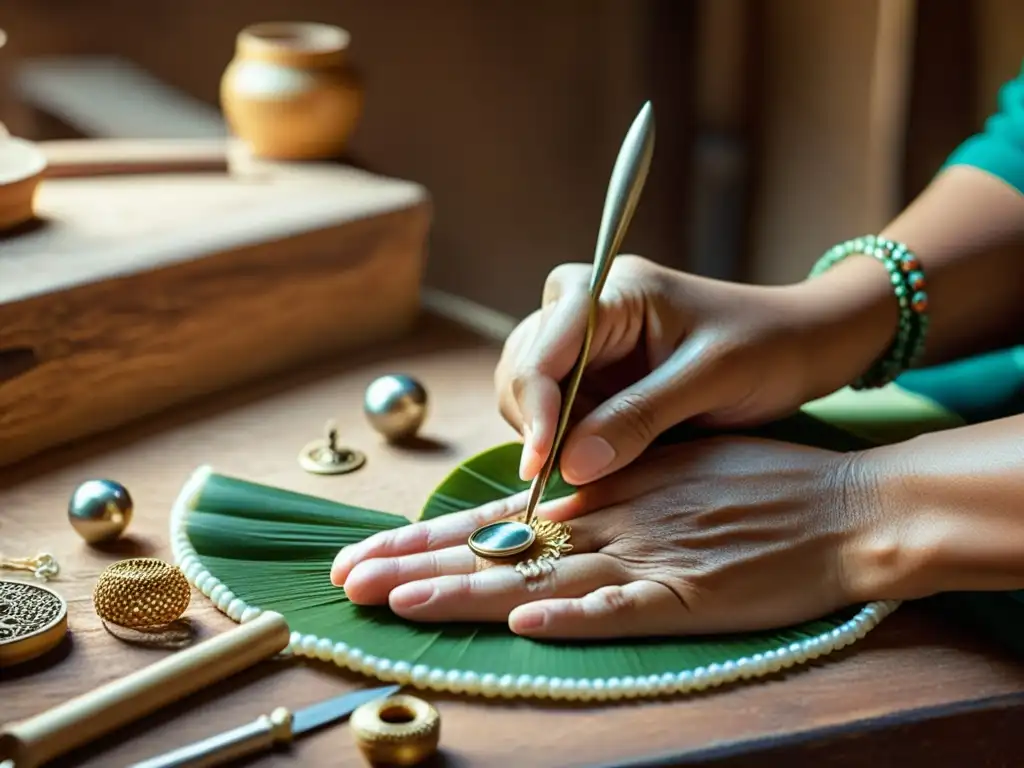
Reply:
x=428, y=535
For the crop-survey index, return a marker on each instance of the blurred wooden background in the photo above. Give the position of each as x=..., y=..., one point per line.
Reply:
x=783, y=125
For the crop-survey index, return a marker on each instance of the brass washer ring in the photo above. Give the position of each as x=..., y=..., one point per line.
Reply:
x=399, y=730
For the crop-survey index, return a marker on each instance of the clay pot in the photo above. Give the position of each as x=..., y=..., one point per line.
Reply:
x=290, y=92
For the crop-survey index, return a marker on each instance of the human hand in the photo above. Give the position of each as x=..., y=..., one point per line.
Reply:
x=719, y=535
x=668, y=347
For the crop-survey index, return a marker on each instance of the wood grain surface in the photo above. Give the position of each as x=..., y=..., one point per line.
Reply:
x=136, y=293
x=864, y=706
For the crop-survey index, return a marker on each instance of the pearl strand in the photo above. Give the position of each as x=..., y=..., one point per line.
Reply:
x=522, y=686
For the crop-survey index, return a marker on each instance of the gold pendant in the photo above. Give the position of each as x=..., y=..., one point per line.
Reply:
x=548, y=541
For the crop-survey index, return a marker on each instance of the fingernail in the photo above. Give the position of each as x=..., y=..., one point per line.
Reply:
x=528, y=452
x=530, y=620
x=587, y=459
x=340, y=568
x=411, y=595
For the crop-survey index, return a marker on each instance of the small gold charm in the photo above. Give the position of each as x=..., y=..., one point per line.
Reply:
x=43, y=566
x=33, y=620
x=326, y=457
x=401, y=730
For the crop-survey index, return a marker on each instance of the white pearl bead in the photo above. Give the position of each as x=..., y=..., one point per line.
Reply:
x=308, y=645
x=235, y=608
x=225, y=600
x=541, y=687
x=339, y=654
x=453, y=681
x=217, y=591
x=402, y=670
x=524, y=685
x=384, y=670
x=419, y=673
x=470, y=682
x=202, y=580
x=489, y=685
x=324, y=649
x=506, y=686
x=629, y=687
x=355, y=659
x=250, y=613
x=436, y=679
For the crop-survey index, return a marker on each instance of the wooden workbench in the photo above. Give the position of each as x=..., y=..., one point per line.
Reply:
x=913, y=692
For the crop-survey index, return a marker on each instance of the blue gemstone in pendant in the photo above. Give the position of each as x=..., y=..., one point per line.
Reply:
x=502, y=538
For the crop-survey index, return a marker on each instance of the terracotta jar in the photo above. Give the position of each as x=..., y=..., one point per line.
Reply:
x=290, y=92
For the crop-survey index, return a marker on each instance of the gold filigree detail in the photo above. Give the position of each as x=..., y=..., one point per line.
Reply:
x=26, y=609
x=552, y=542
x=141, y=592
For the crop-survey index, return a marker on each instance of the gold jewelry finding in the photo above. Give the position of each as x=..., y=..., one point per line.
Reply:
x=141, y=592
x=551, y=541
x=326, y=457
x=33, y=620
x=400, y=730
x=43, y=566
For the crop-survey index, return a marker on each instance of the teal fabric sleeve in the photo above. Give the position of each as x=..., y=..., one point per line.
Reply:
x=999, y=148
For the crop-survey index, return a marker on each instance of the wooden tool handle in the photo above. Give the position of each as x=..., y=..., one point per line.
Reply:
x=85, y=718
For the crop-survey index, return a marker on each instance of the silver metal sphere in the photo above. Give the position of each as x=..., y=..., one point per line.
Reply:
x=396, y=406
x=100, y=510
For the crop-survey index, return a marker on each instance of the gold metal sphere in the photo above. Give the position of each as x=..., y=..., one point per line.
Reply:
x=396, y=406
x=100, y=510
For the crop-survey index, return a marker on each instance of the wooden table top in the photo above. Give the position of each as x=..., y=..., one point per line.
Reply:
x=911, y=673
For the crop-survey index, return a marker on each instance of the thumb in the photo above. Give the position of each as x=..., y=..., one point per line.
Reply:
x=624, y=426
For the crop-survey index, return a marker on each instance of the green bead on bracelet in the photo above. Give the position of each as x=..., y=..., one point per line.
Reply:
x=909, y=286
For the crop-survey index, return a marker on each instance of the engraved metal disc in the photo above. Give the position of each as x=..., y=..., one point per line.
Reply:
x=504, y=538
x=33, y=619
x=318, y=459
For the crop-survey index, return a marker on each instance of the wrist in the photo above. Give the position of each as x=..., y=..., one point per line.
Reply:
x=847, y=317
x=889, y=551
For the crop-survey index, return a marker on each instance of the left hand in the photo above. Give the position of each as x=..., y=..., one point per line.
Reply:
x=726, y=534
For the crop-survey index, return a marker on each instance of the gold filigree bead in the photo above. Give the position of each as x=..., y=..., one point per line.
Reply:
x=141, y=592
x=399, y=730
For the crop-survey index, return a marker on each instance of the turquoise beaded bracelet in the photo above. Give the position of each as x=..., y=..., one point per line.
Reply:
x=908, y=282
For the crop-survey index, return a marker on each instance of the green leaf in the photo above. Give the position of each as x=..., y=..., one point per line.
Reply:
x=491, y=475
x=273, y=549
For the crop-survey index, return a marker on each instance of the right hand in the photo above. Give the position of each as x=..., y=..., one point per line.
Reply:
x=668, y=347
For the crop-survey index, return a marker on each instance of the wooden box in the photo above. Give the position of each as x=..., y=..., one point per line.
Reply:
x=137, y=292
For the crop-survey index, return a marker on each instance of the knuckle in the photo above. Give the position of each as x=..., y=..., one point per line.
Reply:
x=612, y=600
x=561, y=277
x=635, y=413
x=631, y=264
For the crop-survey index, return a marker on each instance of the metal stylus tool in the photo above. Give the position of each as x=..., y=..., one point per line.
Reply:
x=507, y=538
